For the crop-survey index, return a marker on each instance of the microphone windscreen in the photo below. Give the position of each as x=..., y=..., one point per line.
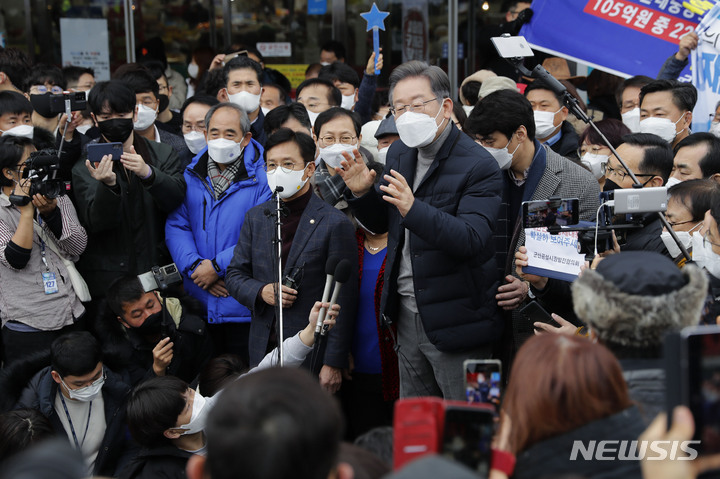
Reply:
x=331, y=264
x=342, y=272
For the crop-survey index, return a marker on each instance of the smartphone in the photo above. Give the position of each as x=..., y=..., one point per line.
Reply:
x=468, y=434
x=512, y=47
x=230, y=56
x=535, y=313
x=417, y=426
x=483, y=381
x=553, y=212
x=96, y=151
x=697, y=379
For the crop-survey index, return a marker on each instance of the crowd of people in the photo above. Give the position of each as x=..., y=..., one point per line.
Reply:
x=143, y=310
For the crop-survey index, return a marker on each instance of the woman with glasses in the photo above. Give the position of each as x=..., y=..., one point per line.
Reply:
x=39, y=235
x=593, y=151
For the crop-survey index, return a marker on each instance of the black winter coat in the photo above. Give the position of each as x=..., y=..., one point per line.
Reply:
x=452, y=250
x=166, y=462
x=40, y=395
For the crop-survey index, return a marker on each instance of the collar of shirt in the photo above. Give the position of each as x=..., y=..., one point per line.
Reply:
x=554, y=139
x=157, y=134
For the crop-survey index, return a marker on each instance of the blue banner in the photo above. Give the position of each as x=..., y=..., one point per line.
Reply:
x=622, y=37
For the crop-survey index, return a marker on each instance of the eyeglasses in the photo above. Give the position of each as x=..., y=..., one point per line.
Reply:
x=418, y=106
x=197, y=127
x=149, y=103
x=676, y=223
x=331, y=140
x=593, y=149
x=99, y=380
x=285, y=167
x=608, y=171
x=42, y=89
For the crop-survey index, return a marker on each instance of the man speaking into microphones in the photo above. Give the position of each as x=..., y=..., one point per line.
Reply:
x=311, y=232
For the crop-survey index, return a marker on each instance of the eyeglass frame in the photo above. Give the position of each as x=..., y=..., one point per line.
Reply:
x=282, y=168
x=349, y=138
x=605, y=168
x=416, y=107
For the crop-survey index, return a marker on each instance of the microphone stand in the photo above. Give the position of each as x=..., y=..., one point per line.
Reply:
x=277, y=241
x=572, y=104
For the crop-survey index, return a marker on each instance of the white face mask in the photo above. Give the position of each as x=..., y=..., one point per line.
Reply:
x=672, y=181
x=83, y=129
x=595, y=163
x=468, y=109
x=193, y=69
x=417, y=130
x=382, y=155
x=348, y=101
x=224, y=151
x=265, y=110
x=195, y=141
x=324, y=63
x=291, y=182
x=20, y=130
x=704, y=256
x=198, y=416
x=544, y=123
x=632, y=119
x=662, y=127
x=685, y=238
x=313, y=116
x=86, y=394
x=245, y=100
x=715, y=128
x=502, y=155
x=332, y=155
x=146, y=117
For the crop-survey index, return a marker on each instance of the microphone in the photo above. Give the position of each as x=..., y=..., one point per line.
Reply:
x=330, y=267
x=540, y=73
x=342, y=274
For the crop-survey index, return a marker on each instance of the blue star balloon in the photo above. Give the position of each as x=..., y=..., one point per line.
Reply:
x=375, y=18
x=375, y=21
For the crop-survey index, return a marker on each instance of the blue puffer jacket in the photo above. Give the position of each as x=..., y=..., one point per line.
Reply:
x=205, y=228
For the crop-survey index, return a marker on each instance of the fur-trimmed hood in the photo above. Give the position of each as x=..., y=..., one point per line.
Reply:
x=638, y=321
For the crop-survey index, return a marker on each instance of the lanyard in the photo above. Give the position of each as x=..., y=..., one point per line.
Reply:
x=42, y=247
x=72, y=428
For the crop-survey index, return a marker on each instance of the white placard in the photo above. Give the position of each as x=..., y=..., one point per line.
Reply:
x=553, y=256
x=275, y=49
x=85, y=44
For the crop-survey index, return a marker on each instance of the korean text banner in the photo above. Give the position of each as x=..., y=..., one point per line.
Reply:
x=623, y=37
x=705, y=61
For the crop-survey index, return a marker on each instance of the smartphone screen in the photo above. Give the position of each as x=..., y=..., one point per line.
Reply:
x=703, y=387
x=544, y=213
x=482, y=381
x=468, y=436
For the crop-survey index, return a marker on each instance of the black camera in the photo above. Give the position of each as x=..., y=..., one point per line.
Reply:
x=41, y=169
x=160, y=278
x=294, y=277
x=56, y=103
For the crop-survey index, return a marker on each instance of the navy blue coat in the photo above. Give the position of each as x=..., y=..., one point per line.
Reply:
x=451, y=227
x=323, y=232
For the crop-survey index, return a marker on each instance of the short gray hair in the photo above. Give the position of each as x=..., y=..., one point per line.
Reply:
x=439, y=81
x=244, y=120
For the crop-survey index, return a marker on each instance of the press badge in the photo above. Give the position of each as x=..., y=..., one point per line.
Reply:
x=50, y=283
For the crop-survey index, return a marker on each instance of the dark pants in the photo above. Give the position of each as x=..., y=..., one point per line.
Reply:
x=231, y=338
x=19, y=345
x=363, y=404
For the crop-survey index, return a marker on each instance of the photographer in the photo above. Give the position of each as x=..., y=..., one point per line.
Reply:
x=124, y=203
x=141, y=335
x=38, y=300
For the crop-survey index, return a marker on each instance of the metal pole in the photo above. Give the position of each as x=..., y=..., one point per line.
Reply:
x=453, y=47
x=129, y=32
x=227, y=22
x=29, y=36
x=339, y=26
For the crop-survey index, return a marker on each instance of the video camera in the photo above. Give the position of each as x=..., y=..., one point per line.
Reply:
x=160, y=278
x=41, y=169
x=622, y=210
x=57, y=103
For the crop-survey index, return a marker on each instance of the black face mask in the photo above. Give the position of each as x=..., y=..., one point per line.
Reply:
x=41, y=105
x=164, y=102
x=610, y=185
x=152, y=325
x=116, y=130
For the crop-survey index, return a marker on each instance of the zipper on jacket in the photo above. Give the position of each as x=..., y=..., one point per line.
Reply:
x=204, y=208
